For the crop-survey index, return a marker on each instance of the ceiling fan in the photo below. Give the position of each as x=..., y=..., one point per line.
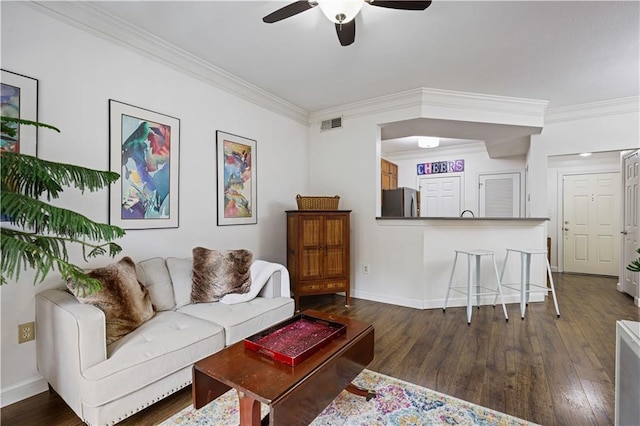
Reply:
x=341, y=13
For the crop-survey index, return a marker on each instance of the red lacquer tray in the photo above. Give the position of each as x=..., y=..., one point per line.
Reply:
x=296, y=339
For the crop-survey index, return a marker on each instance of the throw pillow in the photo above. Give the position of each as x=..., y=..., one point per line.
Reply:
x=180, y=272
x=153, y=274
x=216, y=273
x=125, y=302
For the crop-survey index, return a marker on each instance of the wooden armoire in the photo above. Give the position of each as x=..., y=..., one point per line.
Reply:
x=318, y=251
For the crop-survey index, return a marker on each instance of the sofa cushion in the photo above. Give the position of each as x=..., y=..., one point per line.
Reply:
x=244, y=319
x=217, y=273
x=125, y=302
x=154, y=275
x=180, y=271
x=165, y=344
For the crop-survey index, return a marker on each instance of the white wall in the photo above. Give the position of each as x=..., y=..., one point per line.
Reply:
x=78, y=73
x=476, y=161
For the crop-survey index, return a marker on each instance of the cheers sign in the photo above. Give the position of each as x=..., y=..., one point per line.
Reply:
x=441, y=167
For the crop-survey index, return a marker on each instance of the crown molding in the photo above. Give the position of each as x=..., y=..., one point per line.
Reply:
x=91, y=19
x=393, y=102
x=416, y=154
x=594, y=109
x=428, y=100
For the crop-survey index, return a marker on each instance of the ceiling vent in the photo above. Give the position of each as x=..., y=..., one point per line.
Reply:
x=332, y=123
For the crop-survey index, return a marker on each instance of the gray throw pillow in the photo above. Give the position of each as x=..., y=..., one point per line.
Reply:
x=216, y=273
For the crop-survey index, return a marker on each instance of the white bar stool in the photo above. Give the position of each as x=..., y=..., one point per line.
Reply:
x=477, y=254
x=525, y=287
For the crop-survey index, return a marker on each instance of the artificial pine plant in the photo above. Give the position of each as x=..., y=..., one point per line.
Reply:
x=635, y=265
x=40, y=232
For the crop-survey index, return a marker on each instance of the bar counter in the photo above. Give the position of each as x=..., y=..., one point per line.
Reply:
x=419, y=253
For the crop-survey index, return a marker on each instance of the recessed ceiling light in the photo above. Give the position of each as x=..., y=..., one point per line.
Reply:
x=428, y=142
x=585, y=154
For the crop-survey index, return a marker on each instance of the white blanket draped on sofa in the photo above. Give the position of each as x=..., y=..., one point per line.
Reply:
x=261, y=271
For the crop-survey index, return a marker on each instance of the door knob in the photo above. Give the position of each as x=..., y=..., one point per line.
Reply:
x=566, y=229
x=624, y=232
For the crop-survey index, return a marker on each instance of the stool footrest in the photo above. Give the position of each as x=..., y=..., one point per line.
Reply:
x=539, y=288
x=488, y=291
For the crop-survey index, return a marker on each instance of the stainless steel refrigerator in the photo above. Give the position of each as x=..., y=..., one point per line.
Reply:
x=400, y=202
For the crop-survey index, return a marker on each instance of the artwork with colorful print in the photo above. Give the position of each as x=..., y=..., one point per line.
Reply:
x=10, y=107
x=147, y=160
x=19, y=99
x=236, y=180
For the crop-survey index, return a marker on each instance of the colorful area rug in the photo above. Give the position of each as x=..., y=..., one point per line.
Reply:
x=397, y=403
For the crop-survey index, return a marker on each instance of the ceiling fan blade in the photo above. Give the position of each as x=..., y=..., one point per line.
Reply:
x=404, y=5
x=287, y=11
x=346, y=32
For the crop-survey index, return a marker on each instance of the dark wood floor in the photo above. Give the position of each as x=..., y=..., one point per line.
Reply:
x=548, y=370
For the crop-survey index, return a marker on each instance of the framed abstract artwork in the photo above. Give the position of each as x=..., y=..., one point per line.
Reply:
x=19, y=99
x=144, y=150
x=236, y=182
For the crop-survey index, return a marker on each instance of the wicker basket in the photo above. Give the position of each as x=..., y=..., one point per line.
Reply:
x=317, y=203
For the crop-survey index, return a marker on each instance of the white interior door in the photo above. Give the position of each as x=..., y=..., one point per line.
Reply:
x=631, y=233
x=591, y=230
x=439, y=196
x=499, y=195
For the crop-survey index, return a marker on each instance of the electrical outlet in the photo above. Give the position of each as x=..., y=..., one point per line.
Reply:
x=26, y=332
x=365, y=268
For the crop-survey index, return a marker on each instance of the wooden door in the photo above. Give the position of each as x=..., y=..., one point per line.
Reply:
x=336, y=234
x=311, y=234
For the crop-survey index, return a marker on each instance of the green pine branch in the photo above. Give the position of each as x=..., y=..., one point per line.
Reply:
x=635, y=265
x=45, y=230
x=6, y=129
x=33, y=176
x=28, y=213
x=45, y=253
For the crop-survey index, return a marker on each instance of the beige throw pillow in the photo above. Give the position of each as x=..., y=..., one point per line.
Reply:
x=125, y=302
x=153, y=274
x=216, y=273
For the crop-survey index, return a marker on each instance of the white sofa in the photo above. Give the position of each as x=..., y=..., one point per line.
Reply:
x=105, y=384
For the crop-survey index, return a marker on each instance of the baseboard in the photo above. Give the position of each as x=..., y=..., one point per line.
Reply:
x=23, y=390
x=383, y=298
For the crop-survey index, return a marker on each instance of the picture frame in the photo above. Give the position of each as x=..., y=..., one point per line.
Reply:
x=236, y=179
x=144, y=148
x=20, y=100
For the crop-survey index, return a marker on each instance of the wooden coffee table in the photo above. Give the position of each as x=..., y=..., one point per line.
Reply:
x=295, y=395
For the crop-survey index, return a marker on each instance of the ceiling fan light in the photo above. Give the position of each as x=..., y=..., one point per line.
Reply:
x=340, y=11
x=428, y=142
